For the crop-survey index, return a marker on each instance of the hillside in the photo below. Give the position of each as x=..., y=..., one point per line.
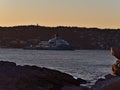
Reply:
x=81, y=38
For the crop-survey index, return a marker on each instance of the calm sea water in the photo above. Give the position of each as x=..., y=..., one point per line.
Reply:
x=86, y=64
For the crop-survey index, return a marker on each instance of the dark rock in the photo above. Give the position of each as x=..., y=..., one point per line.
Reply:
x=75, y=88
x=115, y=52
x=82, y=81
x=16, y=77
x=109, y=83
x=109, y=76
x=7, y=64
x=116, y=68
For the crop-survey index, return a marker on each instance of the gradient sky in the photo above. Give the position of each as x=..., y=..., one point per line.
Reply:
x=82, y=13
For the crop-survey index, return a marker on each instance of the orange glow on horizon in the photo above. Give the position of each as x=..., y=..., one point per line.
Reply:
x=80, y=13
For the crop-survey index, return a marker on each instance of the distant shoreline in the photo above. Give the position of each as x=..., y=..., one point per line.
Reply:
x=10, y=26
x=80, y=37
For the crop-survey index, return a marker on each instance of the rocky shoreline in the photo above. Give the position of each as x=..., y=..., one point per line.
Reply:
x=16, y=77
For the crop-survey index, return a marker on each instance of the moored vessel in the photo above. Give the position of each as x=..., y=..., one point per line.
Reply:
x=55, y=43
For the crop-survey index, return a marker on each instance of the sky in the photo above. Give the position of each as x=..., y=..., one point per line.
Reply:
x=80, y=13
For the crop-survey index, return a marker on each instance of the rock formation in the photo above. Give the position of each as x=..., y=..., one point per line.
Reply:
x=111, y=81
x=16, y=77
x=116, y=68
x=115, y=52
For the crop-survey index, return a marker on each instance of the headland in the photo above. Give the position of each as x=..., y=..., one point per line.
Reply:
x=79, y=37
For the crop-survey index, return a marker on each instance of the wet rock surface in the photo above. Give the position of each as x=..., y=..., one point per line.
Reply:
x=16, y=77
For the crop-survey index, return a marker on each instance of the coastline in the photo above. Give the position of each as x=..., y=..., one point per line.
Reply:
x=79, y=37
x=26, y=77
x=16, y=77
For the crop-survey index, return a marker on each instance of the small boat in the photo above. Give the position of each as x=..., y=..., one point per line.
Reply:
x=55, y=43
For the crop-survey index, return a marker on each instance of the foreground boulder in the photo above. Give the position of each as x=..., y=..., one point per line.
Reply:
x=15, y=77
x=110, y=82
x=75, y=88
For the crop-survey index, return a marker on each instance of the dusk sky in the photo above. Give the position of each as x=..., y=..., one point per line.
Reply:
x=81, y=13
